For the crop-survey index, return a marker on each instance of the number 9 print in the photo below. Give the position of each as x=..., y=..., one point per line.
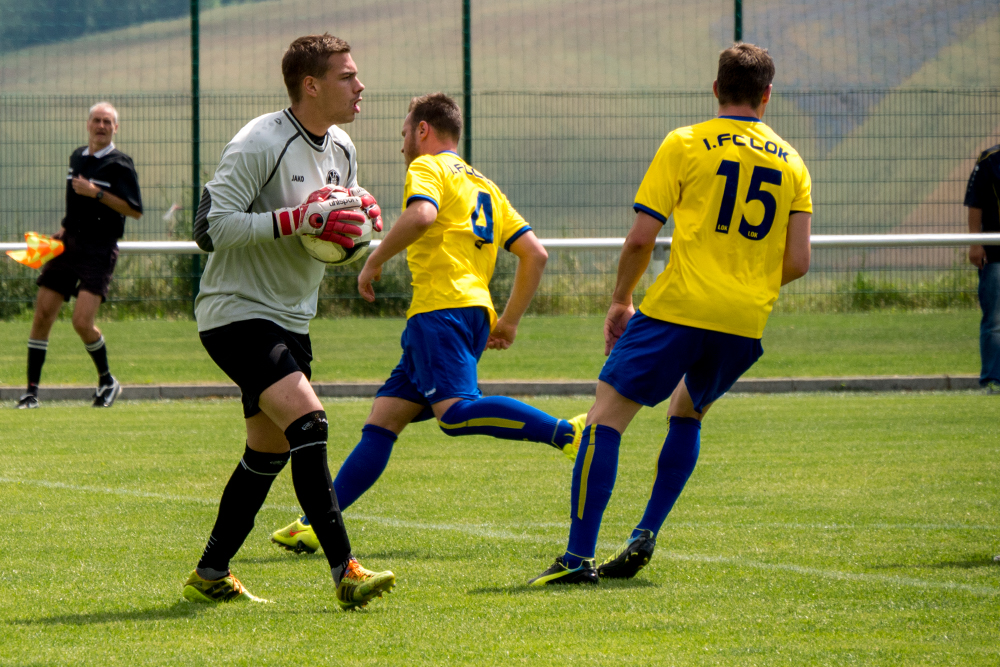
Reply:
x=484, y=231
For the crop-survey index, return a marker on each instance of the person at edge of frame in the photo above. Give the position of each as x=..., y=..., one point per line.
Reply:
x=741, y=200
x=454, y=222
x=102, y=189
x=286, y=174
x=984, y=217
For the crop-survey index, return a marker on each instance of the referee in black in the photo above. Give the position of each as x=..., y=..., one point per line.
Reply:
x=101, y=190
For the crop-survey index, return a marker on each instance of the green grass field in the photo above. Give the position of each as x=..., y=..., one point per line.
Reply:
x=168, y=352
x=816, y=530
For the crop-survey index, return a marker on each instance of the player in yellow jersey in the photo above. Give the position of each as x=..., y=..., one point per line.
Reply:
x=454, y=222
x=740, y=198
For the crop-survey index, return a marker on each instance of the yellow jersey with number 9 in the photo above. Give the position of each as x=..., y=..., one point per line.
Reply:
x=453, y=262
x=731, y=184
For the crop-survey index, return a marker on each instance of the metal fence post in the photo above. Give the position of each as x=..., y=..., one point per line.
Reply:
x=467, y=78
x=195, y=145
x=738, y=20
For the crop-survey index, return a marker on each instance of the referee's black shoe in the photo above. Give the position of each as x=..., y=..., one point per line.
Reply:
x=27, y=402
x=630, y=557
x=106, y=393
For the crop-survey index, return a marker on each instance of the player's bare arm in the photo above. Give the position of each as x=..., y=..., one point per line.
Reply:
x=414, y=223
x=977, y=253
x=632, y=264
x=531, y=260
x=83, y=186
x=798, y=250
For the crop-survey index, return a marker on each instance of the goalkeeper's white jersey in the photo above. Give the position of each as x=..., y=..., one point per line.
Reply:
x=271, y=163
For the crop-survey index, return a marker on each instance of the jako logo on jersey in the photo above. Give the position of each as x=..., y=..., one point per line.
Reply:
x=333, y=177
x=298, y=179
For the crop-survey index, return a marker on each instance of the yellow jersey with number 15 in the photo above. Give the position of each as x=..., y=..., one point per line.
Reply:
x=453, y=262
x=731, y=184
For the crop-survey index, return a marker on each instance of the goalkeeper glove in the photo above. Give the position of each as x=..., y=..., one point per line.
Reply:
x=330, y=213
x=369, y=206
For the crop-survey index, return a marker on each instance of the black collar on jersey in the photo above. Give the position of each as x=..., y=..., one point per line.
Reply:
x=316, y=142
x=751, y=119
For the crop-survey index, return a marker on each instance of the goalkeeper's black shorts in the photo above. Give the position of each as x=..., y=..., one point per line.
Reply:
x=255, y=354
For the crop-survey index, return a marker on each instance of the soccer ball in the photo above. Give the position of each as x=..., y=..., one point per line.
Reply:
x=335, y=254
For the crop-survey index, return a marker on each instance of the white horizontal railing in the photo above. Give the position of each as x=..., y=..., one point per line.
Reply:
x=818, y=241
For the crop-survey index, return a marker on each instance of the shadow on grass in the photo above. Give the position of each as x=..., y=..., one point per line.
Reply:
x=972, y=563
x=285, y=557
x=521, y=589
x=986, y=561
x=180, y=609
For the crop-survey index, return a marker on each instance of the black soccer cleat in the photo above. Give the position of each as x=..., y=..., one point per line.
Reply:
x=27, y=402
x=558, y=573
x=106, y=394
x=630, y=557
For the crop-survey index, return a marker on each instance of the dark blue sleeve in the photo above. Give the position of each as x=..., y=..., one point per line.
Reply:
x=516, y=235
x=639, y=208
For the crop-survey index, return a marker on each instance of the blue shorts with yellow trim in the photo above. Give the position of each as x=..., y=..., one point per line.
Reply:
x=441, y=350
x=652, y=356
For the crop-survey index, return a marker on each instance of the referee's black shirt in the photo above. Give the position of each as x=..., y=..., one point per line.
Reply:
x=984, y=193
x=87, y=219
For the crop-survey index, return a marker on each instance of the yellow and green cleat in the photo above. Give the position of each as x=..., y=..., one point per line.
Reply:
x=227, y=589
x=579, y=423
x=297, y=537
x=359, y=586
x=559, y=573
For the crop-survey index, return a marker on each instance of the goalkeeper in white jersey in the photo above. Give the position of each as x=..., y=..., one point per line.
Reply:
x=285, y=174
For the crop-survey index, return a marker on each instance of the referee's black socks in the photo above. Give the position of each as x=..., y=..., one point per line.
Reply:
x=241, y=500
x=99, y=353
x=36, y=358
x=314, y=487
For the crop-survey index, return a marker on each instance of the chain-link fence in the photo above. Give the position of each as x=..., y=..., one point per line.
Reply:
x=888, y=101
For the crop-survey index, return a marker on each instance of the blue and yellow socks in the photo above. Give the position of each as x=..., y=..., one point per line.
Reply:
x=594, y=474
x=673, y=468
x=496, y=416
x=364, y=465
x=505, y=418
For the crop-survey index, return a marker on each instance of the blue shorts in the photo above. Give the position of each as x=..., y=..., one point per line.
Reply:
x=652, y=356
x=440, y=352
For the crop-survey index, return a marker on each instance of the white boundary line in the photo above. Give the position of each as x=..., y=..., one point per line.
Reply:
x=483, y=531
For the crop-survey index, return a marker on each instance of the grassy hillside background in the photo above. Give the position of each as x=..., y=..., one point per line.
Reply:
x=888, y=102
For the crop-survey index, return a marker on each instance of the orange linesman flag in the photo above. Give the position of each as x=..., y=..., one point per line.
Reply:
x=41, y=248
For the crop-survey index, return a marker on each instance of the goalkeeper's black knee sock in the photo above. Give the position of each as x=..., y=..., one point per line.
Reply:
x=36, y=358
x=314, y=487
x=241, y=500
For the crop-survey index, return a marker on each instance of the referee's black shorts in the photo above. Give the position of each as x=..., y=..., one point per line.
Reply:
x=80, y=267
x=255, y=354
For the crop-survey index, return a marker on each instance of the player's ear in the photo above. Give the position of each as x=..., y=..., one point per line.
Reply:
x=308, y=86
x=423, y=129
x=715, y=89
